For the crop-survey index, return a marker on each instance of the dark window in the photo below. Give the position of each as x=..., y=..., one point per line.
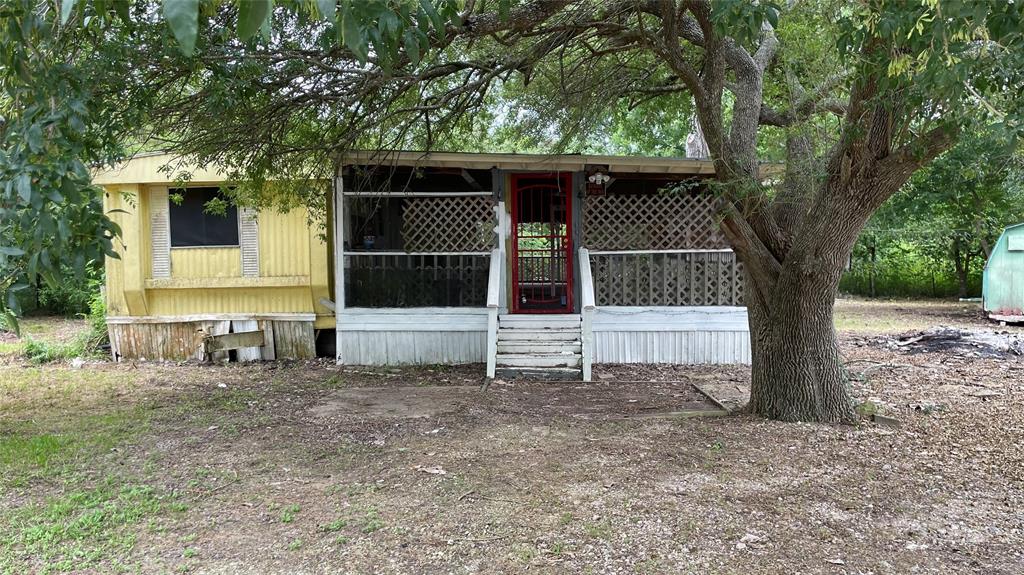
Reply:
x=192, y=225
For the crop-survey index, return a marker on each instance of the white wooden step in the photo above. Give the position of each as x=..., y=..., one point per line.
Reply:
x=529, y=347
x=563, y=335
x=540, y=321
x=526, y=316
x=546, y=373
x=531, y=360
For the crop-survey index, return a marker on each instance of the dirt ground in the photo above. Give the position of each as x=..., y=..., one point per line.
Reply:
x=312, y=468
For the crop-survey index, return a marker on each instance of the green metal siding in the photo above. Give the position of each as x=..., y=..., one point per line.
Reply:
x=1003, y=281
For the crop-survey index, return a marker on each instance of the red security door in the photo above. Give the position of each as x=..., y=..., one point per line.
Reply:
x=542, y=243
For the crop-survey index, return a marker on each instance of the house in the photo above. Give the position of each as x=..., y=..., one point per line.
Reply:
x=1003, y=279
x=520, y=262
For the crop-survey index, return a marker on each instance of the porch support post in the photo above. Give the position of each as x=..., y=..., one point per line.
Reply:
x=587, y=309
x=503, y=272
x=338, y=229
x=493, y=289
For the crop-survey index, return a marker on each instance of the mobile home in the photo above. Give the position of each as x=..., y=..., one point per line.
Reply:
x=519, y=262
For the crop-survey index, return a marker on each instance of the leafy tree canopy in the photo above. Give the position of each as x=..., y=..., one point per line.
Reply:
x=854, y=97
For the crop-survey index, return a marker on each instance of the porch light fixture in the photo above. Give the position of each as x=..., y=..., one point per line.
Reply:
x=600, y=178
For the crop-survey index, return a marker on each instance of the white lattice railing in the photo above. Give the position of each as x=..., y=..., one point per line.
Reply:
x=667, y=278
x=442, y=224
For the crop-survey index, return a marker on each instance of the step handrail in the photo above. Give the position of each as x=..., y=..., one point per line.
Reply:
x=493, y=301
x=587, y=312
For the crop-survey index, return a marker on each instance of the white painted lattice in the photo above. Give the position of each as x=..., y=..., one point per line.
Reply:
x=448, y=224
x=651, y=222
x=672, y=279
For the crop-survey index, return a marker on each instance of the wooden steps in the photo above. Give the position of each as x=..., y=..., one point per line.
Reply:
x=540, y=346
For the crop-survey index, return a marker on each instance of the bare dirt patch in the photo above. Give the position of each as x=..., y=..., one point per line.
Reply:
x=597, y=400
x=308, y=468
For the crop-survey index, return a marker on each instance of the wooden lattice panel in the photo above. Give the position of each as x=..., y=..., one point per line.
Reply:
x=448, y=224
x=667, y=279
x=651, y=222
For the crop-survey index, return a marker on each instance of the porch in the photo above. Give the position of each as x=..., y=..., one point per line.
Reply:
x=537, y=267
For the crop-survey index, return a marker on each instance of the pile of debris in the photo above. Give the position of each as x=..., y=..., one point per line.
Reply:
x=964, y=342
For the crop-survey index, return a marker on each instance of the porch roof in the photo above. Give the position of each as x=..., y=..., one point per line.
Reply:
x=531, y=162
x=150, y=168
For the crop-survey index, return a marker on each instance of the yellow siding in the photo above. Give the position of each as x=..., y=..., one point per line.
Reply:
x=229, y=300
x=284, y=243
x=115, y=267
x=206, y=263
x=292, y=255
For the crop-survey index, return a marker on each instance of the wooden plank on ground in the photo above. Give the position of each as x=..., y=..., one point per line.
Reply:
x=218, y=328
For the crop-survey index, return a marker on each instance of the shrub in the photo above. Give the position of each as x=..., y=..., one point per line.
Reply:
x=97, y=335
x=86, y=344
x=39, y=351
x=68, y=297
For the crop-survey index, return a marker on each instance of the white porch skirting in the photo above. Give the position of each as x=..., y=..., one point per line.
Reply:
x=681, y=335
x=386, y=336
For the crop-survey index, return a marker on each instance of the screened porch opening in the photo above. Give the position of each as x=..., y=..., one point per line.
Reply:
x=656, y=242
x=417, y=238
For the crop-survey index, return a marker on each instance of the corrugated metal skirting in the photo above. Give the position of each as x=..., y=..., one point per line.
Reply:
x=681, y=347
x=680, y=335
x=413, y=347
x=391, y=336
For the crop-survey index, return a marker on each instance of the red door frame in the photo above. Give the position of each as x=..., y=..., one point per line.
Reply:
x=565, y=180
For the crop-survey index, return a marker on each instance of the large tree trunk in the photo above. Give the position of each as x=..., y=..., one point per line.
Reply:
x=797, y=372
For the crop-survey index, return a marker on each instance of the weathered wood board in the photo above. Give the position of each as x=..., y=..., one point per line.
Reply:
x=238, y=341
x=294, y=340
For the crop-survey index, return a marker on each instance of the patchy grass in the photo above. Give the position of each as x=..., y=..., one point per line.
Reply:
x=874, y=316
x=46, y=339
x=78, y=530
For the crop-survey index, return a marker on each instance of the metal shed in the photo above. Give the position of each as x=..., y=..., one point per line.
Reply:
x=1003, y=281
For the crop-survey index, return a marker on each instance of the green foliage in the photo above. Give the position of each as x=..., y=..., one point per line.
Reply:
x=41, y=351
x=84, y=345
x=383, y=28
x=55, y=126
x=902, y=269
x=944, y=58
x=930, y=238
x=71, y=297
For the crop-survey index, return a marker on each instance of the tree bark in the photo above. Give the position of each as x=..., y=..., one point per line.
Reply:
x=797, y=371
x=960, y=263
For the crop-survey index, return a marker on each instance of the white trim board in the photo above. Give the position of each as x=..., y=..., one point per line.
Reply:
x=670, y=318
x=212, y=317
x=413, y=319
x=355, y=253
x=642, y=252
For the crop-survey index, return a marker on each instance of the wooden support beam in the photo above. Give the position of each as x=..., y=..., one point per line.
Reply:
x=471, y=180
x=338, y=235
